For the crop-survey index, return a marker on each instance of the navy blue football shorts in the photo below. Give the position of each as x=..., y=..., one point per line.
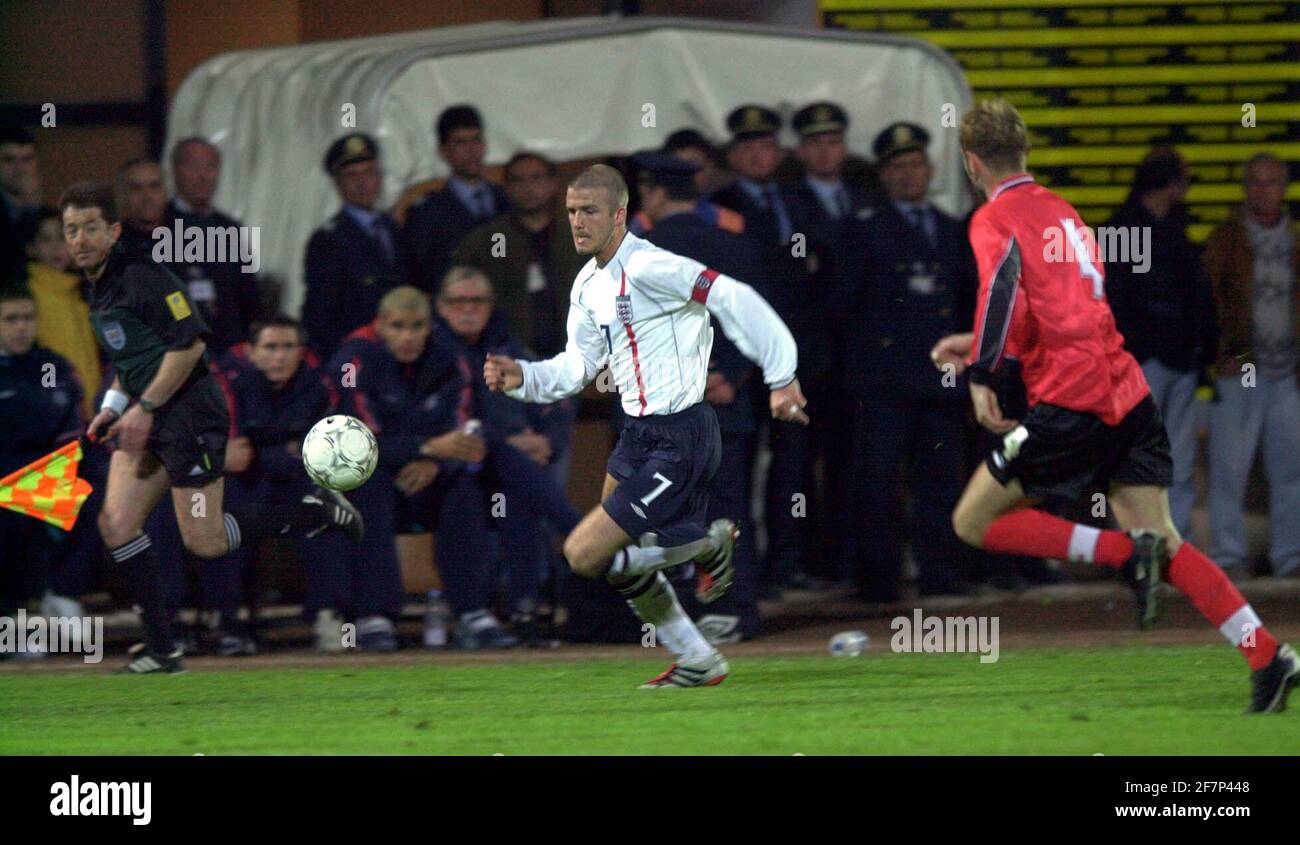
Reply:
x=664, y=464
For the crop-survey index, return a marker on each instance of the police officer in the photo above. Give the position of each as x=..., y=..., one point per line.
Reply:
x=824, y=206
x=225, y=295
x=668, y=193
x=436, y=224
x=40, y=409
x=355, y=258
x=770, y=221
x=691, y=146
x=754, y=155
x=913, y=279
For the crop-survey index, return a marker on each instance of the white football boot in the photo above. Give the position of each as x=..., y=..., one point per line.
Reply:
x=708, y=672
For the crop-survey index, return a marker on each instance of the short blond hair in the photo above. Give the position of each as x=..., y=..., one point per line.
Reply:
x=996, y=132
x=404, y=298
x=606, y=177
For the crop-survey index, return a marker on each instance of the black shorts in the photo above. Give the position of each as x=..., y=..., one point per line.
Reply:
x=1058, y=455
x=663, y=465
x=189, y=434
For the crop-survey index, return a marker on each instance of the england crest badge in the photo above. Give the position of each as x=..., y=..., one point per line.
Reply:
x=114, y=335
x=623, y=307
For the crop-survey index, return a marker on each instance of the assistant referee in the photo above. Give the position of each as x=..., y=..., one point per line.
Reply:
x=174, y=434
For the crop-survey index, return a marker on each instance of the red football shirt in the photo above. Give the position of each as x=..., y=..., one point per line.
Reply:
x=1048, y=304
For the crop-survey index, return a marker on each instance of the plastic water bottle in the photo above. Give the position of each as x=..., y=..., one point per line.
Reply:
x=849, y=643
x=474, y=427
x=436, y=617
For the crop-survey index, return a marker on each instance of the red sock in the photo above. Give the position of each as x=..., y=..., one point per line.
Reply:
x=1198, y=578
x=1038, y=534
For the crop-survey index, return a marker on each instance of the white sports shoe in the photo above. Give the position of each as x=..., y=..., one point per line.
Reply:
x=706, y=673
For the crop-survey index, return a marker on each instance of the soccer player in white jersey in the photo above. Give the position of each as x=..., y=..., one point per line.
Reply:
x=645, y=312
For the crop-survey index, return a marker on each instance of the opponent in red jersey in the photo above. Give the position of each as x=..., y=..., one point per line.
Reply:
x=1091, y=419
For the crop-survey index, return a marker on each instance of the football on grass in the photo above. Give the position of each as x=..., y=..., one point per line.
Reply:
x=340, y=452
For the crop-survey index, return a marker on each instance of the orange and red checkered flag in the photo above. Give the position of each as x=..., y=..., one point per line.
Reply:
x=48, y=488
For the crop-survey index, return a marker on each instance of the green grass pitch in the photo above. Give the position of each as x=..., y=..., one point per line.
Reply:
x=1158, y=700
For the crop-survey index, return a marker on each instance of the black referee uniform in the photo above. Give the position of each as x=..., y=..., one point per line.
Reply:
x=140, y=312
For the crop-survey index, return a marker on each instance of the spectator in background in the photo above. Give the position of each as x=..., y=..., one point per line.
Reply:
x=36, y=417
x=526, y=442
x=689, y=145
x=143, y=201
x=62, y=313
x=1163, y=308
x=767, y=207
x=668, y=197
x=20, y=196
x=914, y=280
x=436, y=224
x=355, y=258
x=276, y=392
x=226, y=296
x=528, y=256
x=412, y=393
x=1253, y=262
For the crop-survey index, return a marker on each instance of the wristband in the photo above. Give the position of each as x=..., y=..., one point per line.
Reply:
x=116, y=401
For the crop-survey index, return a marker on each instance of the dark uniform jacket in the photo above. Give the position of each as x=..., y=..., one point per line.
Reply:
x=226, y=297
x=434, y=226
x=1166, y=313
x=140, y=311
x=347, y=274
x=826, y=238
x=272, y=417
x=534, y=318
x=35, y=418
x=688, y=235
x=791, y=286
x=403, y=404
x=905, y=295
x=502, y=416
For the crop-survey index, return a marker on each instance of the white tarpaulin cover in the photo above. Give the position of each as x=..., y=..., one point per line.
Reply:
x=568, y=88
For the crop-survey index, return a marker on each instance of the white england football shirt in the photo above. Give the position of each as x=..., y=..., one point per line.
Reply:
x=646, y=315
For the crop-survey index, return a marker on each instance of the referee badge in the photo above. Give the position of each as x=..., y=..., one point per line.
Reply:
x=114, y=335
x=178, y=306
x=623, y=307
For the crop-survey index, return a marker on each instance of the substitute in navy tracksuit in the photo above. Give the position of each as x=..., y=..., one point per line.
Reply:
x=531, y=494
x=276, y=392
x=40, y=410
x=408, y=404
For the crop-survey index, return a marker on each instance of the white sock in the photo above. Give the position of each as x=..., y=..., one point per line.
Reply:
x=654, y=601
x=631, y=561
x=1083, y=544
